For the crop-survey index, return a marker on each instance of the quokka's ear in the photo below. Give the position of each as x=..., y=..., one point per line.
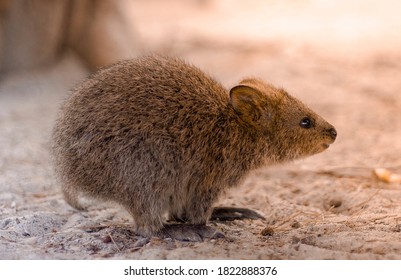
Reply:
x=247, y=102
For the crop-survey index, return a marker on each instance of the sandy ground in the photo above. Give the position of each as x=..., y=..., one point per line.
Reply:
x=328, y=206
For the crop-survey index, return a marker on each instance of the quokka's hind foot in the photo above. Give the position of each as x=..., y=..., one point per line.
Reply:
x=232, y=213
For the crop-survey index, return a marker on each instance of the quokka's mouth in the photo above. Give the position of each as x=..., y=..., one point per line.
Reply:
x=325, y=146
x=321, y=148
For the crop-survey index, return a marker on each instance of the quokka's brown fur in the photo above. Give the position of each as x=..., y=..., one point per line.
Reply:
x=158, y=136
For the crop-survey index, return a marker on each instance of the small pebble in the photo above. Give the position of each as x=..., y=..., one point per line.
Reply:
x=335, y=203
x=106, y=239
x=296, y=224
x=267, y=231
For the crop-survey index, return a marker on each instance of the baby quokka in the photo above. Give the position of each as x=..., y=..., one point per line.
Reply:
x=158, y=136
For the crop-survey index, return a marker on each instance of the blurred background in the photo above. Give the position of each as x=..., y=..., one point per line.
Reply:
x=35, y=33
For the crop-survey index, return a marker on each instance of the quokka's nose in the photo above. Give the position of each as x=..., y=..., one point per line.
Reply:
x=332, y=132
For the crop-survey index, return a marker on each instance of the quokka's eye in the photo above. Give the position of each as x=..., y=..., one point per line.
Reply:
x=306, y=123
